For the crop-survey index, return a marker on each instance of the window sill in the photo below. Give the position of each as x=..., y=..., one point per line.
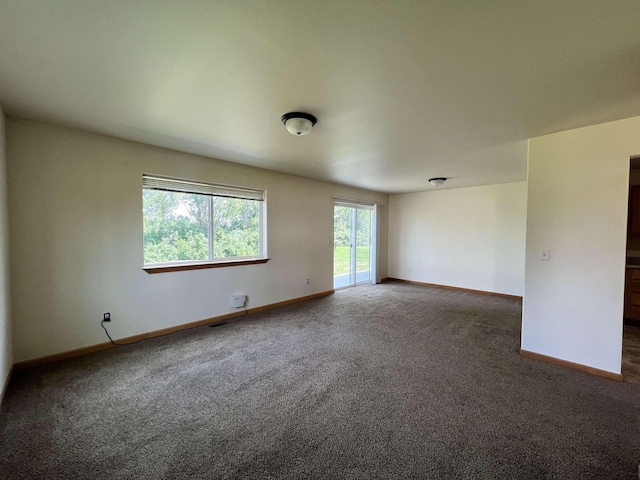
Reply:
x=200, y=266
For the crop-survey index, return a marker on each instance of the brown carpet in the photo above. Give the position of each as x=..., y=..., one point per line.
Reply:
x=392, y=381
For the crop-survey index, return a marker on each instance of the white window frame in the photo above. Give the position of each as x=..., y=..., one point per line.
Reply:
x=211, y=190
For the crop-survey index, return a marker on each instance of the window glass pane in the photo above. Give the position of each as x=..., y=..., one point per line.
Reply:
x=363, y=243
x=341, y=240
x=176, y=226
x=236, y=227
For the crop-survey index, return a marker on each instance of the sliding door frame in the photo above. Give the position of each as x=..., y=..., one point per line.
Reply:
x=375, y=237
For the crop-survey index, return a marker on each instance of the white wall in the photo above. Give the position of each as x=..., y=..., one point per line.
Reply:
x=466, y=237
x=75, y=206
x=6, y=352
x=577, y=208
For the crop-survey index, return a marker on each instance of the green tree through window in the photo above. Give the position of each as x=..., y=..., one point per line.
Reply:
x=236, y=228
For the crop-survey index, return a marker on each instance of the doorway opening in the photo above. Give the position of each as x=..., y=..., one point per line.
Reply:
x=631, y=324
x=354, y=244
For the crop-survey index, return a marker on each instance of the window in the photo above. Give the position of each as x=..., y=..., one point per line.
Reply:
x=195, y=223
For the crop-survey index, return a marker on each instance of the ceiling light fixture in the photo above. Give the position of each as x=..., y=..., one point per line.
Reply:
x=298, y=123
x=436, y=182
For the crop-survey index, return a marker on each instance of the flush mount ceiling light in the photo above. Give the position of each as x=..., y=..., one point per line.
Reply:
x=298, y=123
x=436, y=182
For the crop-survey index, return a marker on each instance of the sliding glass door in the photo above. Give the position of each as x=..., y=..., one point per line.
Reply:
x=352, y=246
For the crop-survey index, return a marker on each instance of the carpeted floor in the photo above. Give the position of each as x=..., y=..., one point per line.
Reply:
x=392, y=381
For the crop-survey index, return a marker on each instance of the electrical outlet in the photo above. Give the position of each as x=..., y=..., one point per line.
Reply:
x=106, y=317
x=307, y=281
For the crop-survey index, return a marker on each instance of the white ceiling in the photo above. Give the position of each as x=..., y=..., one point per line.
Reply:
x=403, y=90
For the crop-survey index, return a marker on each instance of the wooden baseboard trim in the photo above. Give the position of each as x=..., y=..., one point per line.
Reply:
x=632, y=322
x=289, y=302
x=574, y=366
x=57, y=357
x=6, y=384
x=157, y=333
x=178, y=328
x=459, y=289
x=36, y=362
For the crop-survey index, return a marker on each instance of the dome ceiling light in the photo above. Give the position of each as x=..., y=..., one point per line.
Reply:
x=437, y=181
x=298, y=123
